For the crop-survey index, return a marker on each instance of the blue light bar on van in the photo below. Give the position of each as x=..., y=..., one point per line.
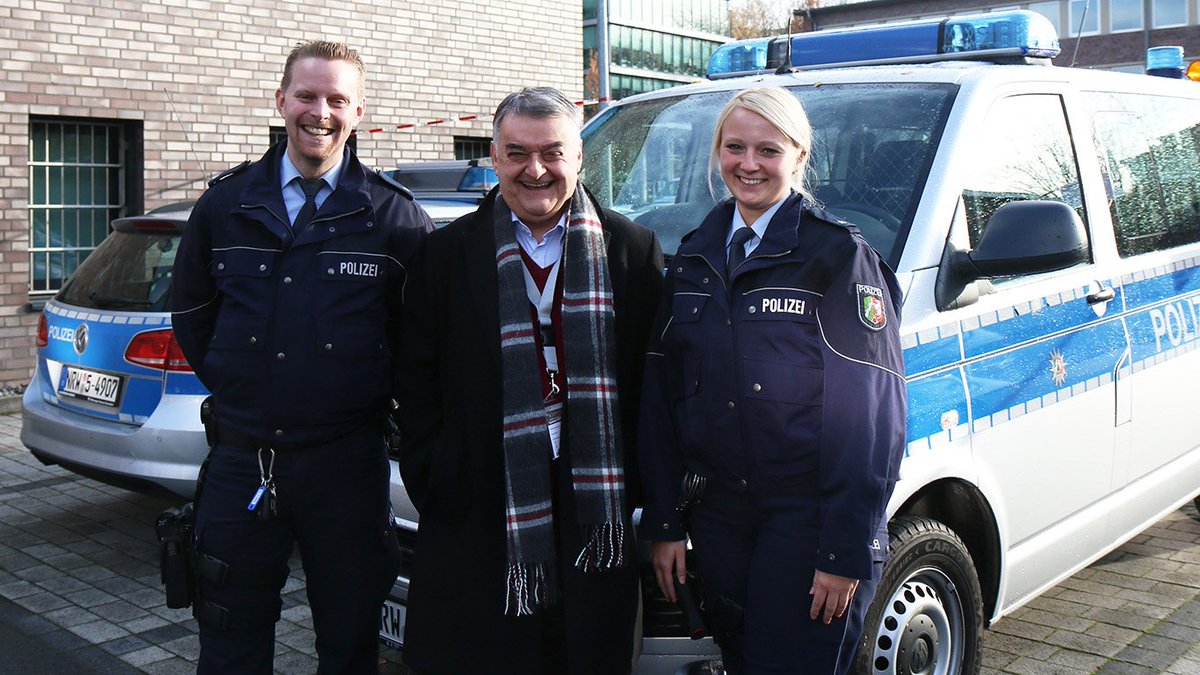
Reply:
x=739, y=58
x=1017, y=34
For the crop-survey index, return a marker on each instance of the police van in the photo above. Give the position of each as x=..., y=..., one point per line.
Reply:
x=1044, y=225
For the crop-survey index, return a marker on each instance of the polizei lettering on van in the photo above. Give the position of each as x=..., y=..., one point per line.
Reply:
x=61, y=333
x=1177, y=322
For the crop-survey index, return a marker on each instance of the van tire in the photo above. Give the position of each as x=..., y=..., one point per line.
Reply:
x=927, y=615
x=1196, y=505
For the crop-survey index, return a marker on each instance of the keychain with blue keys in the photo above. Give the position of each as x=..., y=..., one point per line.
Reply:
x=263, y=501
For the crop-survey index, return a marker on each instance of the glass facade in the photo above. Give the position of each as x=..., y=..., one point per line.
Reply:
x=1051, y=11
x=1125, y=15
x=1169, y=13
x=671, y=37
x=660, y=52
x=1084, y=19
x=76, y=187
x=628, y=85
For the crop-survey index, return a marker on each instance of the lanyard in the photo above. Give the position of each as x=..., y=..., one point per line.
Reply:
x=544, y=301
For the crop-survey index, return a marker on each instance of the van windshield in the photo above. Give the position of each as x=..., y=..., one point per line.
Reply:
x=872, y=148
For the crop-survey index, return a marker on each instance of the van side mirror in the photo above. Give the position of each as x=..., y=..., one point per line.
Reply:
x=1026, y=237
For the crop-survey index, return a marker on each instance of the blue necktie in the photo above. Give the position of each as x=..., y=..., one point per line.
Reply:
x=311, y=187
x=737, y=249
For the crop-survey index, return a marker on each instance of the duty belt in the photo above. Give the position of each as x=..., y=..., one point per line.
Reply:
x=227, y=435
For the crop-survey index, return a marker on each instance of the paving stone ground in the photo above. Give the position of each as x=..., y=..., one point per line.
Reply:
x=80, y=592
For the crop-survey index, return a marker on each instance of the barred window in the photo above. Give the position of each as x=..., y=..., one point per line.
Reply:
x=469, y=147
x=77, y=185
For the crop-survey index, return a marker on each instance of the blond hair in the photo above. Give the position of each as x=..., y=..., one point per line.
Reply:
x=784, y=112
x=329, y=51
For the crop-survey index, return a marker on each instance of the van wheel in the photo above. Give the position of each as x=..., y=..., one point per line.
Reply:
x=1196, y=505
x=927, y=616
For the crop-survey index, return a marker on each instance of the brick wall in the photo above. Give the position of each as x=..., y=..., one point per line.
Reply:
x=200, y=77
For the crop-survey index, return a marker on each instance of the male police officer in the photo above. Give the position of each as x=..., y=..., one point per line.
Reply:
x=287, y=291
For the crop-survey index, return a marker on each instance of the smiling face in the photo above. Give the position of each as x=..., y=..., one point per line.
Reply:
x=758, y=162
x=537, y=162
x=321, y=106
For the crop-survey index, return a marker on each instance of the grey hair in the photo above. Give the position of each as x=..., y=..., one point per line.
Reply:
x=539, y=103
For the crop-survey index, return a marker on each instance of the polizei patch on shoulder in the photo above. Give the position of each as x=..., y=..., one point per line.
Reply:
x=870, y=307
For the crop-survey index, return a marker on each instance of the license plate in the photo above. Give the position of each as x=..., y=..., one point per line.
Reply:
x=90, y=385
x=391, y=628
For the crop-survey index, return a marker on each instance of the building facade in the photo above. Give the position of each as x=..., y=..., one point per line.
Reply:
x=113, y=108
x=1109, y=34
x=654, y=45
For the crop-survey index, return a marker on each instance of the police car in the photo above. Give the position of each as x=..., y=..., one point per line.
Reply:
x=1044, y=224
x=112, y=396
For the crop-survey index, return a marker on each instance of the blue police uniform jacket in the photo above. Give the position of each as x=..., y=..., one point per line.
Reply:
x=294, y=335
x=786, y=377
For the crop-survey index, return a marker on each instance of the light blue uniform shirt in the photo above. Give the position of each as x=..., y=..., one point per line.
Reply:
x=293, y=194
x=759, y=227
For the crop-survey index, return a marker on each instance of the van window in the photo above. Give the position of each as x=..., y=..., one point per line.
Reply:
x=872, y=148
x=1023, y=153
x=128, y=271
x=1149, y=150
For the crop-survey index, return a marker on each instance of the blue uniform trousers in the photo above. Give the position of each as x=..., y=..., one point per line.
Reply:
x=332, y=503
x=756, y=551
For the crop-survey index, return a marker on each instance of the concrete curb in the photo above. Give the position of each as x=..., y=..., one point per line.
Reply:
x=10, y=405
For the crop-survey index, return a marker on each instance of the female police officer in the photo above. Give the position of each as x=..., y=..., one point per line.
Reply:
x=777, y=386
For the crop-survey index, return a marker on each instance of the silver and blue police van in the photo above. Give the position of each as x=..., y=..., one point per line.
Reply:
x=1044, y=224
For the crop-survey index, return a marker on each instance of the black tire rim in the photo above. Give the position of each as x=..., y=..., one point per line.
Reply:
x=921, y=630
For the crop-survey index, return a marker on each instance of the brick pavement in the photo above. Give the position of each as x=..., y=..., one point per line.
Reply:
x=79, y=589
x=1136, y=611
x=79, y=578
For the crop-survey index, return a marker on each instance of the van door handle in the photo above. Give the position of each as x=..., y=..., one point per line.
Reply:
x=1102, y=295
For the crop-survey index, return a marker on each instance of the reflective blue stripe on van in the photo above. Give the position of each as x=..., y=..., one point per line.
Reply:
x=119, y=318
x=1166, y=321
x=995, y=367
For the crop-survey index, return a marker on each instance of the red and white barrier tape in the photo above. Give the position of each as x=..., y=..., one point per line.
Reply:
x=462, y=118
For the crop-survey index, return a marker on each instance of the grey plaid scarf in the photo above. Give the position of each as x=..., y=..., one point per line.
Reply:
x=592, y=416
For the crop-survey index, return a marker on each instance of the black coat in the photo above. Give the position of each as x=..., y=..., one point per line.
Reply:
x=294, y=334
x=452, y=459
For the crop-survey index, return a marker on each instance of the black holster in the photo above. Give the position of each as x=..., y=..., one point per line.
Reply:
x=727, y=622
x=689, y=603
x=176, y=528
x=208, y=417
x=177, y=554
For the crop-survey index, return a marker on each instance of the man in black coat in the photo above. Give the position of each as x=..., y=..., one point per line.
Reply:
x=525, y=329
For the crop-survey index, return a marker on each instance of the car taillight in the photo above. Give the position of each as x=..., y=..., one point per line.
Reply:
x=157, y=349
x=43, y=333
